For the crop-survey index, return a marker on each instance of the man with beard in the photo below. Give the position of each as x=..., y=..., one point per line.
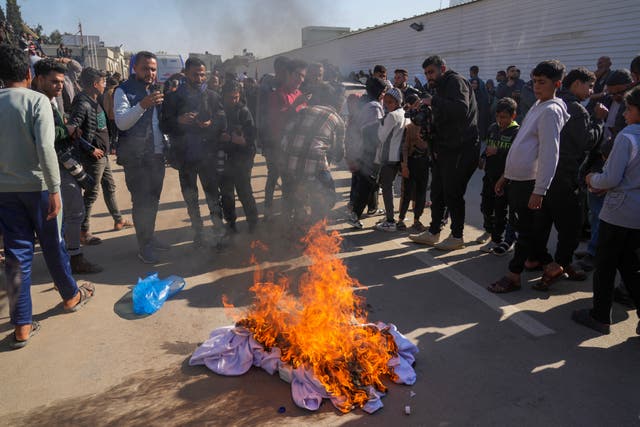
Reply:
x=141, y=149
x=193, y=118
x=456, y=151
x=50, y=81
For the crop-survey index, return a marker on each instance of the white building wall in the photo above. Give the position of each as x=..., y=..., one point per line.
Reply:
x=491, y=34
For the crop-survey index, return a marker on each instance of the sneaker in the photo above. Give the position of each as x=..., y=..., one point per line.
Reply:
x=375, y=212
x=425, y=238
x=354, y=221
x=483, y=237
x=386, y=226
x=502, y=249
x=158, y=245
x=123, y=223
x=400, y=225
x=147, y=254
x=450, y=244
x=80, y=265
x=417, y=226
x=489, y=247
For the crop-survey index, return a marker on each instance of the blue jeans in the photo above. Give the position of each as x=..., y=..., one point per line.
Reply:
x=595, y=206
x=21, y=216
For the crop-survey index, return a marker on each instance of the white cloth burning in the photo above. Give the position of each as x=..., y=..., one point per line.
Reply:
x=232, y=351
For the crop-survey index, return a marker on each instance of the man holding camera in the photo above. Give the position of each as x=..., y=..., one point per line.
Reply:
x=455, y=150
x=50, y=81
x=141, y=149
x=193, y=118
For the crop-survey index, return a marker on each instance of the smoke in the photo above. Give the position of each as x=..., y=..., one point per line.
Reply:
x=264, y=27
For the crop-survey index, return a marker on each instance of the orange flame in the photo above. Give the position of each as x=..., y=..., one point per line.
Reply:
x=324, y=328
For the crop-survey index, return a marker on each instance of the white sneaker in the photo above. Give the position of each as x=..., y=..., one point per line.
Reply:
x=489, y=247
x=386, y=226
x=354, y=221
x=425, y=238
x=450, y=244
x=502, y=249
x=483, y=238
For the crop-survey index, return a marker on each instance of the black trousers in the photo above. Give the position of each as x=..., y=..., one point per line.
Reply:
x=144, y=179
x=493, y=208
x=388, y=174
x=365, y=186
x=561, y=207
x=372, y=202
x=273, y=158
x=618, y=249
x=239, y=179
x=415, y=184
x=451, y=172
x=518, y=194
x=188, y=175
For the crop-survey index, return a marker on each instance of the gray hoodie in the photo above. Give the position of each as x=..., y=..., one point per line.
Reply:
x=621, y=177
x=534, y=152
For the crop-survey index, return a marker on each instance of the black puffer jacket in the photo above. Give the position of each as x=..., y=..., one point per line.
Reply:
x=84, y=115
x=455, y=114
x=578, y=136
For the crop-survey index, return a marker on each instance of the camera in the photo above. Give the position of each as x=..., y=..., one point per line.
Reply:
x=422, y=117
x=76, y=170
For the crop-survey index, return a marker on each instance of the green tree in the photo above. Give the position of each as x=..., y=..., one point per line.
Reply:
x=55, y=37
x=14, y=16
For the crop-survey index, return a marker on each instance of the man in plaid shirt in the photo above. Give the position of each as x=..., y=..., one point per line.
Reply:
x=312, y=140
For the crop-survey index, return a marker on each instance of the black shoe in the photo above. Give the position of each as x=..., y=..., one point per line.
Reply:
x=584, y=318
x=80, y=265
x=622, y=298
x=586, y=263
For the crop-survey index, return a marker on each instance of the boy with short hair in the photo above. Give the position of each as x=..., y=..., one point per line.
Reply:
x=500, y=137
x=531, y=164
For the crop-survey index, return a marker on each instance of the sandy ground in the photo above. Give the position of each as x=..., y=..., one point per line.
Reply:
x=484, y=360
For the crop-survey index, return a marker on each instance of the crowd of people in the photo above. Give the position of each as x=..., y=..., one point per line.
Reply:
x=546, y=146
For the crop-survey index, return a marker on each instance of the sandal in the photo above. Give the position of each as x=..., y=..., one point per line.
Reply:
x=503, y=286
x=88, y=239
x=15, y=343
x=87, y=291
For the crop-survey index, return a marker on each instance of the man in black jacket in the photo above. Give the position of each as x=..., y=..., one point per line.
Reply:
x=456, y=151
x=89, y=121
x=194, y=119
x=562, y=206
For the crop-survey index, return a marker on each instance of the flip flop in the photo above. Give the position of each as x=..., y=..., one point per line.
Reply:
x=15, y=343
x=87, y=292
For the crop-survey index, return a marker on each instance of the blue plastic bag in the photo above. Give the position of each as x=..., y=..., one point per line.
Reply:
x=151, y=292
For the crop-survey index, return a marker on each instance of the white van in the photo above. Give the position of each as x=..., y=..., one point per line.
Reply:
x=168, y=65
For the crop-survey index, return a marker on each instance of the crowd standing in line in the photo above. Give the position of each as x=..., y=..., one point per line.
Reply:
x=562, y=149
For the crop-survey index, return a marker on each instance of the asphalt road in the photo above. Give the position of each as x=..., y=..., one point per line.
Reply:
x=484, y=360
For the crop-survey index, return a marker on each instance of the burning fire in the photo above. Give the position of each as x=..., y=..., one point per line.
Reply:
x=324, y=328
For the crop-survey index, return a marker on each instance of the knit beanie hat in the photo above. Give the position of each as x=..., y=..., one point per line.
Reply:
x=395, y=92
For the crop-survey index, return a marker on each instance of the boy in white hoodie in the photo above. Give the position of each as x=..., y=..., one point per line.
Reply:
x=390, y=134
x=531, y=165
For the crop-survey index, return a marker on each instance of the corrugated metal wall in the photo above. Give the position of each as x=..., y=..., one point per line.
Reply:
x=491, y=34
